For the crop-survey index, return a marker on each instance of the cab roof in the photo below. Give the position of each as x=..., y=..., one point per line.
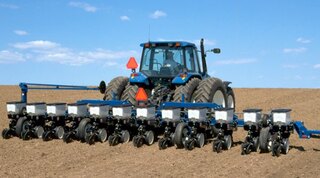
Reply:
x=168, y=43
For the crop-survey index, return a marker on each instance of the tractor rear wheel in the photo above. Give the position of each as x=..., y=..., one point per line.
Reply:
x=129, y=94
x=187, y=90
x=115, y=88
x=211, y=90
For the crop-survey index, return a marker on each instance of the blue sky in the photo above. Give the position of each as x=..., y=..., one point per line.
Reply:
x=264, y=43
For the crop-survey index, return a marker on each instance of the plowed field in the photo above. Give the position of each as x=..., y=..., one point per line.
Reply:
x=35, y=158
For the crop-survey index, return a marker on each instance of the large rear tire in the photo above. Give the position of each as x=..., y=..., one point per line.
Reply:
x=211, y=90
x=115, y=88
x=187, y=90
x=129, y=94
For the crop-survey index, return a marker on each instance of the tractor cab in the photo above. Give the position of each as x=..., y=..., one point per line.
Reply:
x=168, y=59
x=162, y=63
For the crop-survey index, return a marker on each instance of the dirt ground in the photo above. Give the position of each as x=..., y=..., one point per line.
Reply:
x=35, y=158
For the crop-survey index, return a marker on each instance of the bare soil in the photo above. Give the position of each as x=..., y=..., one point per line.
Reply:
x=35, y=158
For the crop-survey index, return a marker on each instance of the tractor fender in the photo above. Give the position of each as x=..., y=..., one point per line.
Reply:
x=139, y=78
x=226, y=83
x=178, y=80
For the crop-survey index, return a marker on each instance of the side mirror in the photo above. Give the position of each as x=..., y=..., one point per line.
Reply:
x=102, y=87
x=216, y=50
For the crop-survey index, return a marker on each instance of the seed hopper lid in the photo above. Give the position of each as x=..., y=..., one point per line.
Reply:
x=37, y=103
x=252, y=110
x=53, y=104
x=15, y=102
x=76, y=104
x=223, y=109
x=122, y=105
x=98, y=104
x=281, y=110
x=170, y=107
x=197, y=107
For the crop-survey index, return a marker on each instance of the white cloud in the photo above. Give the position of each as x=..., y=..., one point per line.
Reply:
x=7, y=56
x=111, y=64
x=71, y=57
x=9, y=6
x=290, y=66
x=20, y=32
x=294, y=50
x=39, y=44
x=316, y=66
x=303, y=40
x=157, y=14
x=42, y=50
x=82, y=5
x=235, y=61
x=124, y=18
x=298, y=77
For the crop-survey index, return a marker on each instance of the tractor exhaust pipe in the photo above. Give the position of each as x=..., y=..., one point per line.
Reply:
x=203, y=56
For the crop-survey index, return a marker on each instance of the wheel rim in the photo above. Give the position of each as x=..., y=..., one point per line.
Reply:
x=59, y=132
x=125, y=136
x=150, y=137
x=39, y=131
x=102, y=135
x=218, y=98
x=24, y=126
x=286, y=145
x=87, y=128
x=269, y=146
x=184, y=135
x=200, y=140
x=228, y=141
x=256, y=143
x=230, y=101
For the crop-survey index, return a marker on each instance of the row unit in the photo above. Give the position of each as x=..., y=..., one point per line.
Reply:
x=277, y=116
x=103, y=110
x=173, y=114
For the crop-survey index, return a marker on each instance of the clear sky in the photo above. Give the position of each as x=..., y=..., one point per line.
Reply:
x=264, y=43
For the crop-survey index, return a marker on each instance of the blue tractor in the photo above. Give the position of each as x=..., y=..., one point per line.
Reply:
x=171, y=71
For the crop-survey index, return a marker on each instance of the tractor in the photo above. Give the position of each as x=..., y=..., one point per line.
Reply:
x=169, y=72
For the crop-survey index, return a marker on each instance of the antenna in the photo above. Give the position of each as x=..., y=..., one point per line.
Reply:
x=149, y=34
